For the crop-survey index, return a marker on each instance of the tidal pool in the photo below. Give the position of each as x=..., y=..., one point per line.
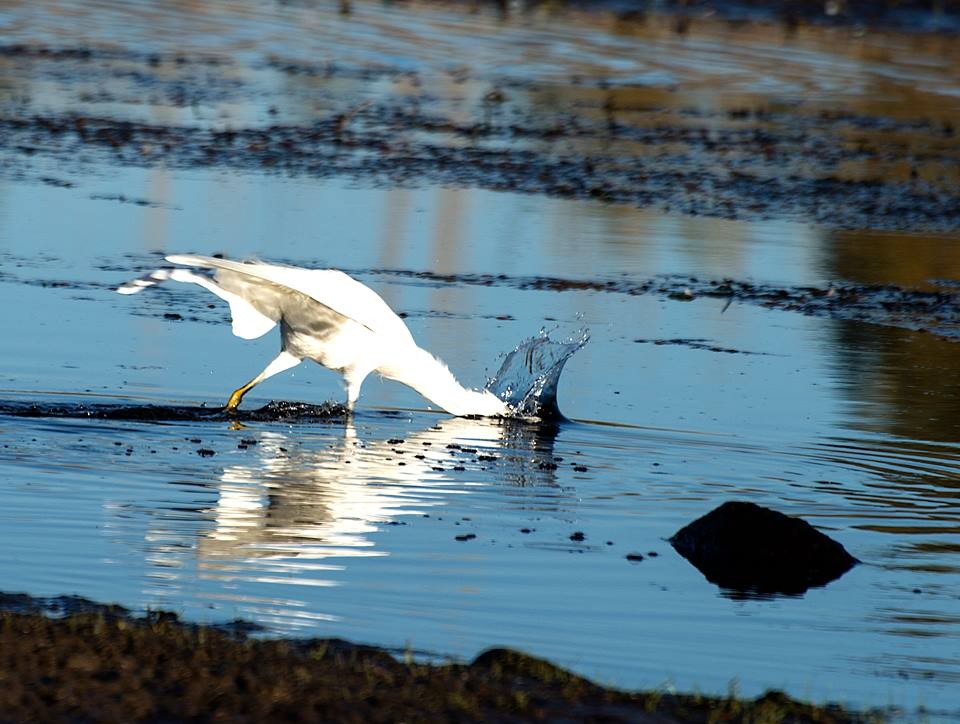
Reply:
x=407, y=528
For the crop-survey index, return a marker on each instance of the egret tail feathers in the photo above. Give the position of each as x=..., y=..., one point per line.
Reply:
x=248, y=322
x=148, y=280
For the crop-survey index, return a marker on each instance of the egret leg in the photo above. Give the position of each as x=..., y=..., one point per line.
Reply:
x=281, y=362
x=354, y=381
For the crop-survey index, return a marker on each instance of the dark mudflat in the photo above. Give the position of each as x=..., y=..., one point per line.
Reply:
x=936, y=311
x=271, y=412
x=912, y=15
x=98, y=663
x=712, y=186
x=758, y=161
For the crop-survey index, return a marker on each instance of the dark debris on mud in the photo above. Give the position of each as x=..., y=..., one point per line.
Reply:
x=95, y=662
x=281, y=411
x=750, y=163
x=937, y=312
x=701, y=344
x=705, y=177
x=912, y=15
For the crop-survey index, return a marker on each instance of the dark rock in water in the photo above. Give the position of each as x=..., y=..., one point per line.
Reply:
x=752, y=549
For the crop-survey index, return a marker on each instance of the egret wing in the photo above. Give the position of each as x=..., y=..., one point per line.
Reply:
x=330, y=287
x=248, y=322
x=251, y=317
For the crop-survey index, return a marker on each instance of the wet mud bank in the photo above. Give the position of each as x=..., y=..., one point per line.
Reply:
x=684, y=166
x=277, y=411
x=642, y=143
x=914, y=15
x=96, y=662
x=936, y=312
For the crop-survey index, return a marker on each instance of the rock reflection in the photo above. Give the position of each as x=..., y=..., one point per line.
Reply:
x=299, y=512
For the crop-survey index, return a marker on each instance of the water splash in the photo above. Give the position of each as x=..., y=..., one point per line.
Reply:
x=528, y=377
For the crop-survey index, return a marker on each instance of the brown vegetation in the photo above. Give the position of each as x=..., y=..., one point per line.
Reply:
x=104, y=666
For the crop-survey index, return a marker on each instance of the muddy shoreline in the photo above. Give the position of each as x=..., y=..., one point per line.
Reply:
x=639, y=143
x=277, y=411
x=910, y=15
x=96, y=662
x=716, y=184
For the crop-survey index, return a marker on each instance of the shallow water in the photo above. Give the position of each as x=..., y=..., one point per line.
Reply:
x=314, y=528
x=363, y=529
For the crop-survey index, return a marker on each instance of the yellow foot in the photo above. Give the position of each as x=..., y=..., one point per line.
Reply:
x=234, y=402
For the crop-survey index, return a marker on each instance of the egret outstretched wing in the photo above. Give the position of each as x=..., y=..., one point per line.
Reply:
x=332, y=288
x=252, y=314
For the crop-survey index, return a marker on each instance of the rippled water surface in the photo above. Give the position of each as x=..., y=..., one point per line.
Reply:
x=407, y=528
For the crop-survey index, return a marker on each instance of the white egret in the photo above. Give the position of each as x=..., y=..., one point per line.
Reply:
x=329, y=317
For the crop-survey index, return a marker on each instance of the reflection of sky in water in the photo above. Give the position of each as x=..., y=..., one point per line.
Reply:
x=440, y=230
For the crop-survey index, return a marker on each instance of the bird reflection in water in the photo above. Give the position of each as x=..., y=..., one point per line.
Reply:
x=302, y=511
